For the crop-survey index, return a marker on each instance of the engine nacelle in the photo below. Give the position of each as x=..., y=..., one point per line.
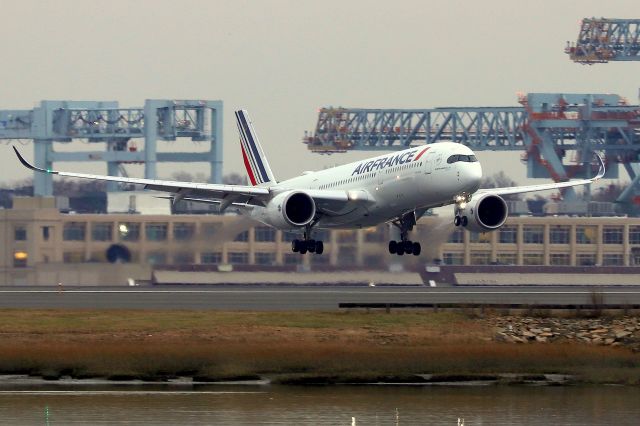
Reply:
x=291, y=209
x=486, y=213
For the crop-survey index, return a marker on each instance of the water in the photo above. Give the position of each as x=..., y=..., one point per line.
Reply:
x=331, y=405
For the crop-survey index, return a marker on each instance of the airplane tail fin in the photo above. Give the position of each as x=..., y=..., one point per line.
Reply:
x=255, y=161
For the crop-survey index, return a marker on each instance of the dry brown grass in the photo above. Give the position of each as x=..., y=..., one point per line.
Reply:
x=156, y=345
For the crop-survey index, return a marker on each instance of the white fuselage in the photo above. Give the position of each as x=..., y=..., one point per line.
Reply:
x=396, y=183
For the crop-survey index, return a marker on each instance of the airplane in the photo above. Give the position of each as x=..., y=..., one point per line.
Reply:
x=396, y=188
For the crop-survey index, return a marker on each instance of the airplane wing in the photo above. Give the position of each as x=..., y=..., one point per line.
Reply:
x=543, y=187
x=232, y=193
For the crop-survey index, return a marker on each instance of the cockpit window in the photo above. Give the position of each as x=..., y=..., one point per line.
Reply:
x=459, y=157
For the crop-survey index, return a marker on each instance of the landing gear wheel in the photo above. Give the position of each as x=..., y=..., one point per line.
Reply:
x=416, y=249
x=303, y=248
x=311, y=246
x=319, y=247
x=407, y=246
x=393, y=247
x=464, y=221
x=400, y=250
x=295, y=246
x=456, y=221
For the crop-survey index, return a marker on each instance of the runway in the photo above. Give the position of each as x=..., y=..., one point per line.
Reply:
x=275, y=298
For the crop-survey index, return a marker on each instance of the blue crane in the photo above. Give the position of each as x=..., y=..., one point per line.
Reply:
x=602, y=40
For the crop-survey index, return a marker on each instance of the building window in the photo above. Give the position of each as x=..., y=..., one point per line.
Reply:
x=375, y=235
x=184, y=258
x=507, y=258
x=101, y=231
x=612, y=235
x=480, y=237
x=157, y=258
x=289, y=236
x=559, y=235
x=74, y=231
x=586, y=234
x=609, y=259
x=533, y=259
x=129, y=231
x=371, y=261
x=238, y=258
x=243, y=236
x=453, y=258
x=264, y=234
x=20, y=259
x=45, y=233
x=347, y=256
x=98, y=256
x=211, y=257
x=183, y=231
x=321, y=234
x=20, y=233
x=265, y=258
x=73, y=257
x=585, y=259
x=320, y=260
x=508, y=234
x=634, y=235
x=457, y=236
x=211, y=229
x=156, y=231
x=533, y=234
x=292, y=259
x=559, y=259
x=480, y=257
x=346, y=236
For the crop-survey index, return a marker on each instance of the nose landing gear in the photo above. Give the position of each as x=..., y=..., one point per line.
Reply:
x=460, y=203
x=460, y=221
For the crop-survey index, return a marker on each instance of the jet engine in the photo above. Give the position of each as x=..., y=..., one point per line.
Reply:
x=290, y=209
x=486, y=213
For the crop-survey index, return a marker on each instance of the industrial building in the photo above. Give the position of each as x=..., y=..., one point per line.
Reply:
x=43, y=246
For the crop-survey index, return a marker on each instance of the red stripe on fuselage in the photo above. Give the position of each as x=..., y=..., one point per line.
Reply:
x=248, y=166
x=421, y=152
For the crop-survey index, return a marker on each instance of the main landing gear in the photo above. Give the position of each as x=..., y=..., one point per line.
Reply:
x=304, y=246
x=307, y=244
x=405, y=224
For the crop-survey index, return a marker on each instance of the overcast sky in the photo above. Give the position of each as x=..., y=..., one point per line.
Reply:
x=282, y=60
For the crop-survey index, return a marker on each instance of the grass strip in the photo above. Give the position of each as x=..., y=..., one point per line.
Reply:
x=343, y=347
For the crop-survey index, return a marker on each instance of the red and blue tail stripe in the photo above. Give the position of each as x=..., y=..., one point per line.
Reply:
x=252, y=154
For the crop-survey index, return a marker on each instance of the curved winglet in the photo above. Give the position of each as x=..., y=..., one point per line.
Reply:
x=28, y=165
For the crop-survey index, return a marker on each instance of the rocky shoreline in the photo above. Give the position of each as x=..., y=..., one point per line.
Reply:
x=623, y=331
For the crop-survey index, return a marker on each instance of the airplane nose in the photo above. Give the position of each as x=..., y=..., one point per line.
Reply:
x=471, y=175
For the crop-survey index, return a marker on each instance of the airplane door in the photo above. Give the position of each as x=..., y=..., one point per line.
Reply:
x=429, y=163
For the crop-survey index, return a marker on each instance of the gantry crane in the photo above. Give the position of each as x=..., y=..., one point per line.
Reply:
x=602, y=40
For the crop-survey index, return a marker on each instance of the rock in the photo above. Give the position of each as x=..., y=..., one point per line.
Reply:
x=535, y=330
x=502, y=337
x=622, y=334
x=599, y=331
x=541, y=339
x=609, y=341
x=546, y=334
